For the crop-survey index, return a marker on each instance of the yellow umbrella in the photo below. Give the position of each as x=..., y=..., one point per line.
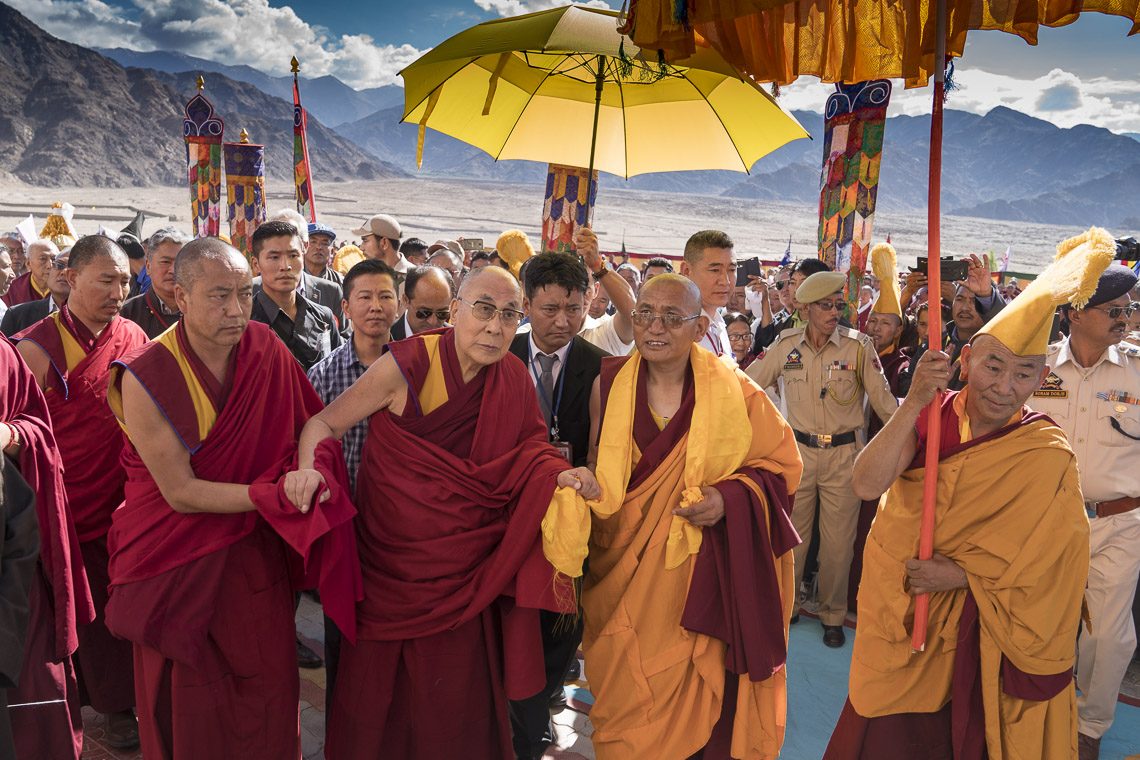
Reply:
x=563, y=86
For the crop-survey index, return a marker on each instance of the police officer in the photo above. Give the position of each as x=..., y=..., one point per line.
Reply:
x=1093, y=393
x=825, y=372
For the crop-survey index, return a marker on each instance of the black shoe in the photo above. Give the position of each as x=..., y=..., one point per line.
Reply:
x=1088, y=748
x=574, y=672
x=795, y=619
x=122, y=730
x=307, y=658
x=833, y=636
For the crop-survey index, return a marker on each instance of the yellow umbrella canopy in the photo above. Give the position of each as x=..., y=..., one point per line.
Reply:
x=841, y=40
x=527, y=88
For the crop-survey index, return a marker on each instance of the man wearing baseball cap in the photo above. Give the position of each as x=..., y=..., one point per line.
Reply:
x=380, y=239
x=318, y=253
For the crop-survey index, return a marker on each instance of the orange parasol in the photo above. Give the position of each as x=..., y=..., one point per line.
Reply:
x=844, y=41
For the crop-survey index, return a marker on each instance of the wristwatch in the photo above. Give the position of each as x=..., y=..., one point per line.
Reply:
x=601, y=273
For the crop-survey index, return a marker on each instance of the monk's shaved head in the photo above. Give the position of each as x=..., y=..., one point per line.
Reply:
x=91, y=247
x=674, y=288
x=481, y=279
x=188, y=265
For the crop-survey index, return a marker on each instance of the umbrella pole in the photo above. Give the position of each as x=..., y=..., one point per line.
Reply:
x=934, y=322
x=599, y=83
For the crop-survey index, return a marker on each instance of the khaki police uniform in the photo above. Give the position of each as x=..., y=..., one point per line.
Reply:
x=823, y=393
x=1098, y=407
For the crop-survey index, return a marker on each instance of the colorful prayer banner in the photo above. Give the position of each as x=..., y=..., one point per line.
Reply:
x=566, y=207
x=302, y=176
x=855, y=120
x=245, y=190
x=202, y=130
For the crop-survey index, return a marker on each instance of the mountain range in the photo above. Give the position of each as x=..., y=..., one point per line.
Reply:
x=70, y=116
x=74, y=116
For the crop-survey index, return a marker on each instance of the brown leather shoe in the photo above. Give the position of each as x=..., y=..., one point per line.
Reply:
x=833, y=636
x=1088, y=748
x=307, y=658
x=122, y=730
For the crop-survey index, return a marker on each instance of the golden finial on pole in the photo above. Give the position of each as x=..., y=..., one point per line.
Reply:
x=201, y=82
x=244, y=136
x=295, y=65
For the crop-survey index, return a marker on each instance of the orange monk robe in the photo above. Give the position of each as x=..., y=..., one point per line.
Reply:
x=1023, y=543
x=660, y=688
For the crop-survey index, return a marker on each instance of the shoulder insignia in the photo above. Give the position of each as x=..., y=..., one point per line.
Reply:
x=1051, y=387
x=791, y=332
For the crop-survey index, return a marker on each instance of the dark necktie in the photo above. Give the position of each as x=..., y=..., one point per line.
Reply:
x=546, y=378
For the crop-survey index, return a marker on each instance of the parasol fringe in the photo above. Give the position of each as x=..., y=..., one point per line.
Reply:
x=951, y=84
x=625, y=63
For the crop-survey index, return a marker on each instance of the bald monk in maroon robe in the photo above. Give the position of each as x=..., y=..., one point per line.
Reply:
x=44, y=706
x=202, y=573
x=456, y=475
x=70, y=352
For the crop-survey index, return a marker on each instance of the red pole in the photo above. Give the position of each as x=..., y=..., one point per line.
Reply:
x=934, y=323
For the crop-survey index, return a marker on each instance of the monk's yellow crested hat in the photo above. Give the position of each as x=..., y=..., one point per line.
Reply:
x=1024, y=325
x=885, y=267
x=514, y=248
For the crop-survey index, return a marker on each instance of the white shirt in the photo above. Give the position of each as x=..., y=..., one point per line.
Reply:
x=555, y=371
x=600, y=332
x=715, y=338
x=1108, y=461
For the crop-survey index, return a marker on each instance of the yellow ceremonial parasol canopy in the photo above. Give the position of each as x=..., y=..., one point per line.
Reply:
x=563, y=86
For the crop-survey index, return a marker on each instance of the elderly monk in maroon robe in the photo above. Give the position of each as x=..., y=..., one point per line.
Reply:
x=44, y=706
x=70, y=352
x=202, y=573
x=455, y=478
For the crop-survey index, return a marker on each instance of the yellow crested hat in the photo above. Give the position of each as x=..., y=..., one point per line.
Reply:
x=57, y=227
x=1024, y=325
x=514, y=248
x=885, y=266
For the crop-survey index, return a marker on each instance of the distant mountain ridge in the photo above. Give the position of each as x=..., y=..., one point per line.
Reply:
x=329, y=99
x=69, y=116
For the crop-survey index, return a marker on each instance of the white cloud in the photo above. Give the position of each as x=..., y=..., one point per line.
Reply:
x=519, y=7
x=249, y=32
x=1059, y=96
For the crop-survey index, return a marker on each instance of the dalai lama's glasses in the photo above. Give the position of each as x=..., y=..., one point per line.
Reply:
x=484, y=312
x=1116, y=312
x=670, y=321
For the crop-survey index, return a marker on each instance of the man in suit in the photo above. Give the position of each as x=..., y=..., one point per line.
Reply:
x=563, y=367
x=23, y=316
x=428, y=292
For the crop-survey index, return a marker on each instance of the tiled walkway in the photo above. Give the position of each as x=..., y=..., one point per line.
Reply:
x=817, y=687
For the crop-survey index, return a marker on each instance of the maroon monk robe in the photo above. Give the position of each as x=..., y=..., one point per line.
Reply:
x=894, y=363
x=90, y=443
x=22, y=291
x=48, y=724
x=454, y=574
x=957, y=731
x=207, y=599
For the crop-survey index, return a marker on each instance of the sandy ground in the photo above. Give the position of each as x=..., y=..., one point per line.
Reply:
x=660, y=222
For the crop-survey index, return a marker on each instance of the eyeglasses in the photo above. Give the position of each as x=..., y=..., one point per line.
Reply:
x=441, y=314
x=1115, y=312
x=780, y=284
x=484, y=312
x=59, y=264
x=830, y=305
x=736, y=338
x=670, y=321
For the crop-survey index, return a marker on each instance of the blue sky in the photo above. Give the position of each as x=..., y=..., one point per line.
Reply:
x=1088, y=72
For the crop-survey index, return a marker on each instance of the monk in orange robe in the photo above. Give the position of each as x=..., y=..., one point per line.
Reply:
x=1007, y=578
x=205, y=552
x=70, y=352
x=455, y=478
x=689, y=588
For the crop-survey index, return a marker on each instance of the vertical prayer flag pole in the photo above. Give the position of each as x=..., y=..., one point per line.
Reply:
x=302, y=175
x=202, y=130
x=934, y=323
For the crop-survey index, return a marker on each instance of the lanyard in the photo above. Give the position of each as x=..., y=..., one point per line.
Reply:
x=542, y=389
x=714, y=340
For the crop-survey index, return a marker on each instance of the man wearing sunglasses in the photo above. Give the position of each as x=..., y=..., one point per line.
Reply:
x=428, y=291
x=27, y=314
x=825, y=372
x=1093, y=393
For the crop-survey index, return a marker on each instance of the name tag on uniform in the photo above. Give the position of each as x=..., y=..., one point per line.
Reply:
x=1051, y=387
x=794, y=360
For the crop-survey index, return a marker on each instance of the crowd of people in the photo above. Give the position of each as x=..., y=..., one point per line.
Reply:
x=483, y=461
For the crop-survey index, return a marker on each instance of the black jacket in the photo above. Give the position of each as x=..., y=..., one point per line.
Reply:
x=24, y=315
x=583, y=364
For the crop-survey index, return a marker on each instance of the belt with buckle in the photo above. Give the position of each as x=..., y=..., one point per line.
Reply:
x=816, y=441
x=1110, y=508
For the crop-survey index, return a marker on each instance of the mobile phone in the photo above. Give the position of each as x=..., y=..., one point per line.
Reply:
x=747, y=268
x=471, y=244
x=952, y=269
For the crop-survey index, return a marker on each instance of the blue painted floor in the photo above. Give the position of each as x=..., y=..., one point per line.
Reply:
x=817, y=688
